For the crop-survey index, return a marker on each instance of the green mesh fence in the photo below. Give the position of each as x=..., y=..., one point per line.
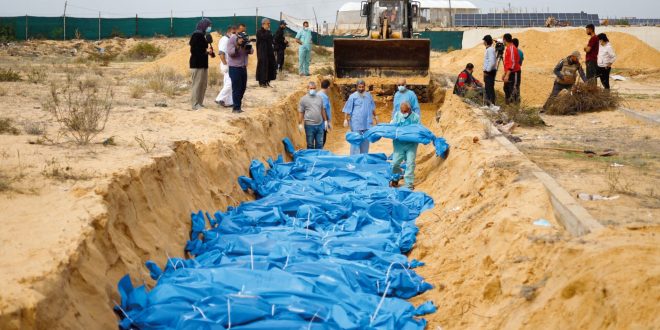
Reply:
x=15, y=28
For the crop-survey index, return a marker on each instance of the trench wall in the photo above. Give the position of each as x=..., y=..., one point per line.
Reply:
x=148, y=212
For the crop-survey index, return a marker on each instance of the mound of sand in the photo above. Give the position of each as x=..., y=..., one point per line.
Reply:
x=543, y=50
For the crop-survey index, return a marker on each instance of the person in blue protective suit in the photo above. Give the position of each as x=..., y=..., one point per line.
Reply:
x=325, y=84
x=304, y=39
x=404, y=151
x=403, y=94
x=359, y=115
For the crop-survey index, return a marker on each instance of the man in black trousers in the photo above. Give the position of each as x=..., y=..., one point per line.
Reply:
x=280, y=44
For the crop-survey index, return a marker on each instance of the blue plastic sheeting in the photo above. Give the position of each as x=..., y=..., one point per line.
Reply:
x=321, y=248
x=409, y=133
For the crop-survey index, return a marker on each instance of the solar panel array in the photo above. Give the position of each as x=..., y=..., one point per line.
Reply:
x=524, y=19
x=642, y=21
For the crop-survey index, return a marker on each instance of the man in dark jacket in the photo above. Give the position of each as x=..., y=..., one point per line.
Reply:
x=466, y=81
x=266, y=65
x=199, y=62
x=280, y=44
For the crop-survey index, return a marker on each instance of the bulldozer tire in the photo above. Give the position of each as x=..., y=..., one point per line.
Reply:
x=422, y=93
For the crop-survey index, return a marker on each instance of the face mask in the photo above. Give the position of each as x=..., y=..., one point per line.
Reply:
x=208, y=29
x=305, y=28
x=312, y=92
x=402, y=88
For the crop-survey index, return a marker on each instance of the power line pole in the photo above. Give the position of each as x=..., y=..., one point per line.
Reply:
x=64, y=33
x=99, y=26
x=451, y=21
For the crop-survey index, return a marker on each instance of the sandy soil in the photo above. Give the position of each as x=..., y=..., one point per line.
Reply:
x=67, y=240
x=543, y=50
x=58, y=192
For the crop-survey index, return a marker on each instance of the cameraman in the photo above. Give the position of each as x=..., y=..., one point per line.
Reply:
x=238, y=50
x=490, y=69
x=511, y=69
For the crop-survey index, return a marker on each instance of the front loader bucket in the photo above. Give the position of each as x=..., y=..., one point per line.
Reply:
x=361, y=58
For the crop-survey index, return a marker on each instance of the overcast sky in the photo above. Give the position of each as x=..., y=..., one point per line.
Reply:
x=325, y=9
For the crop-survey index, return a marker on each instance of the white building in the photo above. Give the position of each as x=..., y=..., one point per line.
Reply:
x=433, y=13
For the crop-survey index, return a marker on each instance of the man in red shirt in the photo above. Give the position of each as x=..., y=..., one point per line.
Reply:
x=511, y=70
x=467, y=82
x=592, y=55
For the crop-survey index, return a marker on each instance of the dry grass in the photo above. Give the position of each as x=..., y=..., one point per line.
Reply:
x=53, y=169
x=37, y=75
x=214, y=77
x=582, y=98
x=9, y=75
x=34, y=127
x=81, y=110
x=7, y=127
x=137, y=90
x=166, y=81
x=616, y=182
x=147, y=147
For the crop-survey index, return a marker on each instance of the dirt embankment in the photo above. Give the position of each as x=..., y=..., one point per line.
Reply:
x=146, y=218
x=493, y=268
x=543, y=50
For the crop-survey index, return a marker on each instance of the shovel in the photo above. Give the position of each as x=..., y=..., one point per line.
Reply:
x=590, y=153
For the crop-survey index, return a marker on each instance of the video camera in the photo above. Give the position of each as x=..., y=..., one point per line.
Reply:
x=499, y=49
x=247, y=45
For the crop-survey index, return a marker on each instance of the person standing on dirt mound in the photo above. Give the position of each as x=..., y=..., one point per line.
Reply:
x=304, y=39
x=490, y=69
x=199, y=62
x=279, y=45
x=266, y=65
x=224, y=97
x=312, y=117
x=404, y=151
x=403, y=94
x=606, y=58
x=238, y=50
x=359, y=115
x=511, y=69
x=521, y=55
x=566, y=71
x=592, y=55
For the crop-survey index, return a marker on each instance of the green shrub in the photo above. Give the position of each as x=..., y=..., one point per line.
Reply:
x=7, y=33
x=9, y=75
x=143, y=50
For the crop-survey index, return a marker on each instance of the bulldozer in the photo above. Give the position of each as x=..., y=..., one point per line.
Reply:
x=389, y=51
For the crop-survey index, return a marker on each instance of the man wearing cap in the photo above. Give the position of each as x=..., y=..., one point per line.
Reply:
x=490, y=69
x=280, y=45
x=566, y=71
x=359, y=115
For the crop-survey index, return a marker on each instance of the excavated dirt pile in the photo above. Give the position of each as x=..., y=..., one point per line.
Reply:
x=543, y=50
